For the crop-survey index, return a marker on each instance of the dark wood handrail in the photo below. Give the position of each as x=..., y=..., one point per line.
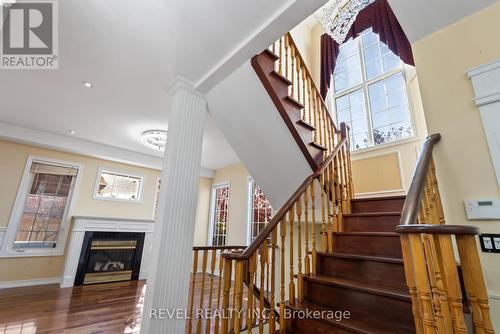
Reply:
x=438, y=229
x=264, y=234
x=323, y=103
x=414, y=196
x=198, y=248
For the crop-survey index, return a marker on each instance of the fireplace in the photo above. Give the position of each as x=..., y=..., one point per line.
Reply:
x=109, y=257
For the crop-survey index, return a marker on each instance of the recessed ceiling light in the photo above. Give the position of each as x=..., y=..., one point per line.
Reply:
x=87, y=84
x=71, y=132
x=155, y=139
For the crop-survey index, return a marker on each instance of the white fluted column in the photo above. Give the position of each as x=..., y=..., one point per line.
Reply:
x=168, y=283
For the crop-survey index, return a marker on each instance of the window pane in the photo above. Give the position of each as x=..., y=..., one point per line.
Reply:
x=44, y=209
x=348, y=67
x=220, y=215
x=118, y=186
x=354, y=115
x=390, y=111
x=378, y=58
x=261, y=210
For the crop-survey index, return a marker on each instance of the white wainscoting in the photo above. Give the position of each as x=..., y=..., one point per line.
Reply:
x=486, y=82
x=98, y=224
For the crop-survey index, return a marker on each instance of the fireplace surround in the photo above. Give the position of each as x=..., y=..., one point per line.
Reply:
x=83, y=224
x=109, y=257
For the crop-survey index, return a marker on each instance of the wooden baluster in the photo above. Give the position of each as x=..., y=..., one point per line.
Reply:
x=252, y=267
x=221, y=268
x=282, y=228
x=226, y=295
x=191, y=295
x=272, y=299
x=313, y=211
x=439, y=204
x=410, y=281
x=315, y=116
x=264, y=256
x=474, y=283
x=291, y=285
x=436, y=294
x=333, y=199
x=281, y=55
x=287, y=59
x=307, y=260
x=292, y=60
x=320, y=122
x=298, y=208
x=422, y=283
x=324, y=238
x=343, y=189
x=346, y=178
x=310, y=103
x=298, y=69
x=349, y=166
x=202, y=293
x=210, y=293
x=326, y=188
x=452, y=282
x=307, y=117
x=238, y=292
x=338, y=197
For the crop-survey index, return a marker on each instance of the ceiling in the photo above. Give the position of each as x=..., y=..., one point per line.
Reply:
x=423, y=17
x=130, y=54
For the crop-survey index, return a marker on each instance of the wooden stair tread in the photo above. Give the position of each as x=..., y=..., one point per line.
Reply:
x=318, y=146
x=305, y=125
x=368, y=287
x=362, y=257
x=294, y=102
x=271, y=54
x=373, y=214
x=281, y=77
x=368, y=234
x=367, y=325
x=382, y=198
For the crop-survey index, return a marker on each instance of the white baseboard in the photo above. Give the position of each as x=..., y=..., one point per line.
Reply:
x=29, y=282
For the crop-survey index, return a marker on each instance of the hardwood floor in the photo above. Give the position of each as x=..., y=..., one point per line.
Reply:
x=107, y=308
x=100, y=308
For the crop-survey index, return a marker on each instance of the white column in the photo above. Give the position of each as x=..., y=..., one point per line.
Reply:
x=168, y=282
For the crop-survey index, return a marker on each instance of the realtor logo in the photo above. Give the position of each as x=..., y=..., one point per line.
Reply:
x=29, y=35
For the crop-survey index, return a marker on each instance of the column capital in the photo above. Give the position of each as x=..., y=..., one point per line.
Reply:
x=182, y=83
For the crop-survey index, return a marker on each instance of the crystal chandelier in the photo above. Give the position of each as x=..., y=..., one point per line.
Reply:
x=155, y=139
x=7, y=3
x=337, y=17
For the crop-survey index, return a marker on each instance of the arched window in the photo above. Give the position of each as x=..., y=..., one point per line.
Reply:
x=369, y=92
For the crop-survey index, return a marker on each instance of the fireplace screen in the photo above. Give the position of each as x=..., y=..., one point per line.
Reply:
x=110, y=257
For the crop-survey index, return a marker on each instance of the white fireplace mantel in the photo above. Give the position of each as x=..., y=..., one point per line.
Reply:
x=84, y=224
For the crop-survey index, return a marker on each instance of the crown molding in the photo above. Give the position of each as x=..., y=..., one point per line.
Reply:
x=74, y=145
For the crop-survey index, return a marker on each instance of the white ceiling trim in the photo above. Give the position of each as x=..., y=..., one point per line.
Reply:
x=53, y=141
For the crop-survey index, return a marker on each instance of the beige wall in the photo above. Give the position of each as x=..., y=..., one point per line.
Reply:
x=463, y=162
x=237, y=176
x=14, y=157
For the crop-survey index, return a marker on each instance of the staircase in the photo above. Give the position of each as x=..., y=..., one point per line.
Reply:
x=378, y=265
x=364, y=275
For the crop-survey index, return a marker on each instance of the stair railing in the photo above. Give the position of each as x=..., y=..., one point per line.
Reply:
x=429, y=258
x=275, y=262
x=208, y=266
x=303, y=89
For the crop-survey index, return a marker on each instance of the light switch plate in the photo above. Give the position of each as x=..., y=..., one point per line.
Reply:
x=490, y=243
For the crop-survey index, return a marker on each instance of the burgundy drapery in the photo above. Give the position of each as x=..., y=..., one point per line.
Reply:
x=380, y=17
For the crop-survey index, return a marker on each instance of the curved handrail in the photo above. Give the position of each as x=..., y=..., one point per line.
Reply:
x=438, y=229
x=414, y=196
x=264, y=234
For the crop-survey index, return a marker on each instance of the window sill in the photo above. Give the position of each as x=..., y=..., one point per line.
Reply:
x=10, y=253
x=129, y=201
x=386, y=146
